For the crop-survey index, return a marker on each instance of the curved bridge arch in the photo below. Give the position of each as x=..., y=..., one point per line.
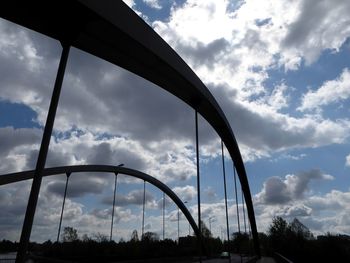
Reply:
x=26, y=175
x=113, y=32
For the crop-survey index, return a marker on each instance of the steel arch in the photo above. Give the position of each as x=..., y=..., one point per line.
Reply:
x=113, y=32
x=25, y=175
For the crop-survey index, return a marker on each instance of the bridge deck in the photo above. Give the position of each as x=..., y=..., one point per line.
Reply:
x=266, y=260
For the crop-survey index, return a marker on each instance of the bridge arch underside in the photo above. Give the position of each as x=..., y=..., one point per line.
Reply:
x=26, y=175
x=114, y=32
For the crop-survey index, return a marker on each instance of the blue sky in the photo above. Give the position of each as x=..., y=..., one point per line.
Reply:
x=280, y=71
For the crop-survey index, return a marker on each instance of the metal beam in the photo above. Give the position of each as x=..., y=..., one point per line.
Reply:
x=198, y=188
x=26, y=175
x=62, y=210
x=225, y=191
x=110, y=30
x=44, y=147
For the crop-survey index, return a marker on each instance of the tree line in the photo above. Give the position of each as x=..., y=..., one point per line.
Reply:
x=292, y=240
x=296, y=242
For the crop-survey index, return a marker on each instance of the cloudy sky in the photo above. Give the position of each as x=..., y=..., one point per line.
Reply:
x=279, y=69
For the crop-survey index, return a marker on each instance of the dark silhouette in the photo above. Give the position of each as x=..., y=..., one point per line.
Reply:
x=69, y=234
x=296, y=242
x=125, y=40
x=134, y=236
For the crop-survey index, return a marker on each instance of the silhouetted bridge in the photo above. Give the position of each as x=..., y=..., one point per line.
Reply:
x=111, y=31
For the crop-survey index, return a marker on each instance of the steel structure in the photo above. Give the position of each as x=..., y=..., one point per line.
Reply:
x=26, y=175
x=110, y=30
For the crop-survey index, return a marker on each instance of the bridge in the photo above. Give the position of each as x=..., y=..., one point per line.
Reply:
x=111, y=31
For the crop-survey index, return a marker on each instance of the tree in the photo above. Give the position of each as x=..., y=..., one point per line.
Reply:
x=240, y=242
x=205, y=231
x=134, y=236
x=301, y=230
x=278, y=228
x=86, y=238
x=69, y=234
x=279, y=234
x=150, y=236
x=99, y=237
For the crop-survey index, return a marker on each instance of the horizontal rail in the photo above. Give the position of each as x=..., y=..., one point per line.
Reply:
x=281, y=259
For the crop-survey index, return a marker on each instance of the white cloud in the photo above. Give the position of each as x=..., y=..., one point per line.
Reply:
x=330, y=92
x=290, y=197
x=168, y=161
x=319, y=25
x=289, y=157
x=347, y=160
x=321, y=213
x=231, y=49
x=278, y=100
x=233, y=56
x=262, y=129
x=17, y=144
x=255, y=35
x=210, y=194
x=153, y=3
x=185, y=193
x=135, y=197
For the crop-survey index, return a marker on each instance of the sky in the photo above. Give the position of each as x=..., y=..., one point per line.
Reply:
x=280, y=71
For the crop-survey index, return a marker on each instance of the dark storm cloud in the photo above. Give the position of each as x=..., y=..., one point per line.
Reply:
x=95, y=95
x=273, y=131
x=79, y=185
x=13, y=203
x=204, y=54
x=104, y=153
x=11, y=138
x=122, y=103
x=16, y=145
x=298, y=211
x=57, y=157
x=311, y=32
x=102, y=213
x=313, y=13
x=133, y=198
x=27, y=76
x=277, y=190
x=104, y=98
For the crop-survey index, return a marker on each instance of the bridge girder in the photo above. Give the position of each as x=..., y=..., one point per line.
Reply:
x=26, y=175
x=113, y=32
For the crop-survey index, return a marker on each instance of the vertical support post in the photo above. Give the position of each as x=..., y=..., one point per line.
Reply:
x=198, y=191
x=114, y=194
x=163, y=216
x=115, y=190
x=143, y=209
x=64, y=201
x=40, y=165
x=210, y=224
x=238, y=221
x=250, y=237
x=234, y=177
x=224, y=174
x=243, y=204
x=189, y=230
x=178, y=225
